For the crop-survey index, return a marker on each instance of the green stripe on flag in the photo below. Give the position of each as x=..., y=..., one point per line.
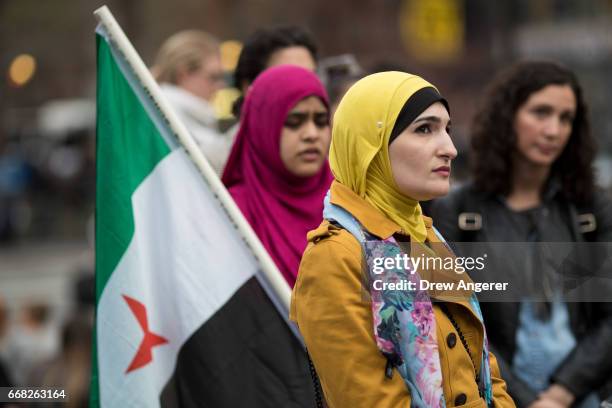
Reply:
x=129, y=146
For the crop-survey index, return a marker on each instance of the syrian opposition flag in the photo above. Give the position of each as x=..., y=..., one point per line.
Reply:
x=181, y=319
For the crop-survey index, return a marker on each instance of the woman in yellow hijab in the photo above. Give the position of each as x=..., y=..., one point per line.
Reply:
x=376, y=336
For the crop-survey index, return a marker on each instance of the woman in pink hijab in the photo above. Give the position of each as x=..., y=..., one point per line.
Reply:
x=277, y=171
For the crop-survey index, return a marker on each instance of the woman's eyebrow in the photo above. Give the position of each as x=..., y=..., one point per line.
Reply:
x=435, y=119
x=543, y=105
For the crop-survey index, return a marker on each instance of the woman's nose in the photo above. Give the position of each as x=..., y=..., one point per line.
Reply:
x=553, y=127
x=447, y=148
x=310, y=131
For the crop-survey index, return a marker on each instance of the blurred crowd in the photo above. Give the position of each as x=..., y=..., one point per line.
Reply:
x=40, y=348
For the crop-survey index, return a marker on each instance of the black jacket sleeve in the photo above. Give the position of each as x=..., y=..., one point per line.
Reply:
x=589, y=365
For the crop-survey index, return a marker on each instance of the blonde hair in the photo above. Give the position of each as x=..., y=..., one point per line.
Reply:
x=184, y=50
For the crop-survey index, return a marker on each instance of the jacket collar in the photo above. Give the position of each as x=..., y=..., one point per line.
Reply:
x=368, y=216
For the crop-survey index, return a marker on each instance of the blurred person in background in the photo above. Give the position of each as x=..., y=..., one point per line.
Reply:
x=339, y=73
x=70, y=370
x=267, y=47
x=188, y=68
x=277, y=172
x=338, y=85
x=533, y=182
x=32, y=340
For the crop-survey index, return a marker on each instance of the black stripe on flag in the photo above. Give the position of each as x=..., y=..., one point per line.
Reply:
x=245, y=355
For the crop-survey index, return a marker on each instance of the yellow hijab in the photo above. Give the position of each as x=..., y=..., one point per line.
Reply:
x=359, y=152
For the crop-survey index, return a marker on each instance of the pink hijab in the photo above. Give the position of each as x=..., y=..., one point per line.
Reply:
x=280, y=206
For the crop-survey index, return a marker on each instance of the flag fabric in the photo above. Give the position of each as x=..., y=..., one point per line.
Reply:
x=181, y=316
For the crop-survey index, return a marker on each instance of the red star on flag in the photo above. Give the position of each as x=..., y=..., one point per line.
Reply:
x=144, y=355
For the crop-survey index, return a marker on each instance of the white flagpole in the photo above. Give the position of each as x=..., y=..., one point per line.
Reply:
x=271, y=273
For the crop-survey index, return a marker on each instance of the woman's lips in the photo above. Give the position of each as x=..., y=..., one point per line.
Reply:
x=310, y=154
x=442, y=170
x=547, y=150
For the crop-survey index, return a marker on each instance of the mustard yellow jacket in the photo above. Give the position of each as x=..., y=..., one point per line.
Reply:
x=335, y=320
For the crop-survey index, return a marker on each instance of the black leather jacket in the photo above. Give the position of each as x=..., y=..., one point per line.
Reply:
x=588, y=367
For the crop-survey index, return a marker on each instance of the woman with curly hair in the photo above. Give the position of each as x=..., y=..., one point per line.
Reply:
x=533, y=182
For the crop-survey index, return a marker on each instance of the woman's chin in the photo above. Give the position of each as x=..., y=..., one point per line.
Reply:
x=426, y=192
x=305, y=170
x=536, y=158
x=437, y=192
